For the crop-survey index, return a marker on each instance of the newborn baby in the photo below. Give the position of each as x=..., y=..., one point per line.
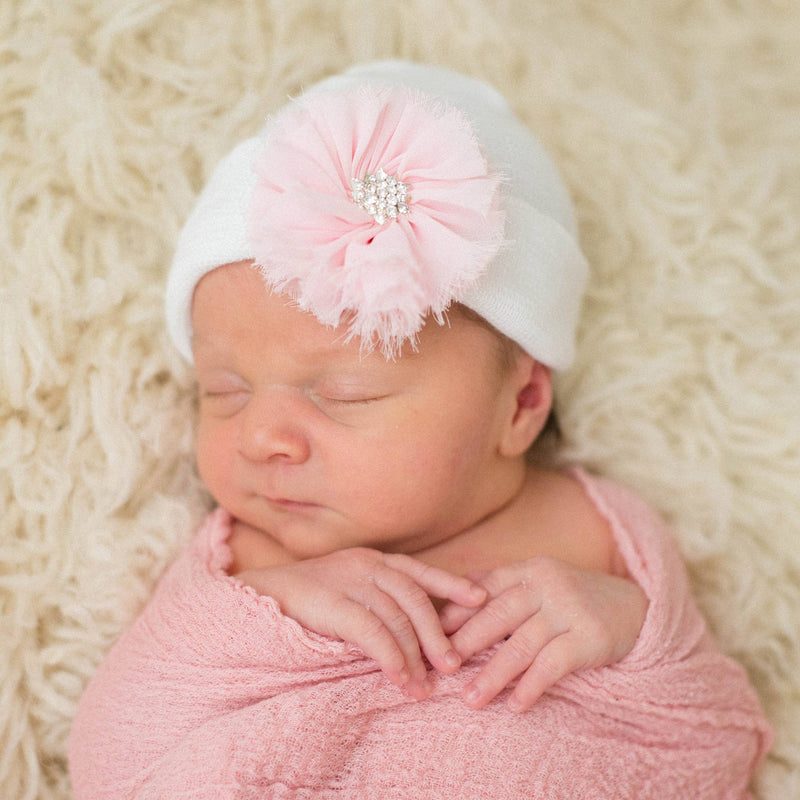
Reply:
x=392, y=600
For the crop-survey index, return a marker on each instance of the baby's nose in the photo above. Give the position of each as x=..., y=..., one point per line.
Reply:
x=272, y=430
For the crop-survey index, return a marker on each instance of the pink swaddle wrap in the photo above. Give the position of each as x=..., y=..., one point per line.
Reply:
x=214, y=693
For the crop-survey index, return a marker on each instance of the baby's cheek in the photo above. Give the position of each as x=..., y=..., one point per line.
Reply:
x=422, y=471
x=213, y=454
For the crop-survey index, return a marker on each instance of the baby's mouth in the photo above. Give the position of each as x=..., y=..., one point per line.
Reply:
x=296, y=506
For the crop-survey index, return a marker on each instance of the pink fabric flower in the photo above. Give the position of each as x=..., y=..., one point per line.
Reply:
x=312, y=241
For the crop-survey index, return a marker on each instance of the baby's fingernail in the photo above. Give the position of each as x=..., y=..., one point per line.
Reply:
x=478, y=592
x=405, y=676
x=514, y=704
x=472, y=695
x=452, y=659
x=419, y=690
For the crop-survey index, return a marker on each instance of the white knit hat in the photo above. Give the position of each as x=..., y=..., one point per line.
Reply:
x=528, y=284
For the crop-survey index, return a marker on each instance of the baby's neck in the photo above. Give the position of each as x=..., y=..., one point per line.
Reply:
x=551, y=516
x=493, y=498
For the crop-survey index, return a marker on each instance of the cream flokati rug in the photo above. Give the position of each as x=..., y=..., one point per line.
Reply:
x=677, y=127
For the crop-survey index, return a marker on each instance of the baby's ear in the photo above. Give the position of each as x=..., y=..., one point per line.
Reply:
x=532, y=387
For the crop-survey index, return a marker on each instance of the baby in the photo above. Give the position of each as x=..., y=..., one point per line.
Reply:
x=392, y=600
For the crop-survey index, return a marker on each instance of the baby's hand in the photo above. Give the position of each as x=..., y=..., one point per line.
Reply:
x=380, y=602
x=560, y=618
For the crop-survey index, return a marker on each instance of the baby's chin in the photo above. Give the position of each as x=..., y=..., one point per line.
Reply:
x=305, y=530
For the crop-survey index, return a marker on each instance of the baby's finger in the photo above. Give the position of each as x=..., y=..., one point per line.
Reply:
x=557, y=658
x=510, y=661
x=420, y=614
x=362, y=627
x=453, y=616
x=386, y=607
x=496, y=620
x=503, y=578
x=438, y=582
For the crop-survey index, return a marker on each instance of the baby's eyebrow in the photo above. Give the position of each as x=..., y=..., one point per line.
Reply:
x=214, y=344
x=336, y=355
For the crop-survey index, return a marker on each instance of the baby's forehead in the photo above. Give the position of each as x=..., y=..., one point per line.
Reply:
x=237, y=316
x=234, y=310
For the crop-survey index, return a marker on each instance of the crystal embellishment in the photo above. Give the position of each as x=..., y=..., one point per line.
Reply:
x=383, y=196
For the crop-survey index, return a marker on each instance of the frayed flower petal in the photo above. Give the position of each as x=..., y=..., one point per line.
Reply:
x=389, y=300
x=310, y=240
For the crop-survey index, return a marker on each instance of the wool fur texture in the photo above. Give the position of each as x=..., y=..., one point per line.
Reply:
x=676, y=126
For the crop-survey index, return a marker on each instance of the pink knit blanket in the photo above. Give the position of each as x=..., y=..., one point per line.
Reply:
x=214, y=693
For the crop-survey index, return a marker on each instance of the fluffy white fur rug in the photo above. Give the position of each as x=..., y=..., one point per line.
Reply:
x=677, y=126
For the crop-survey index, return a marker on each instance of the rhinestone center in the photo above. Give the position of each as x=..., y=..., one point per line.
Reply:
x=383, y=196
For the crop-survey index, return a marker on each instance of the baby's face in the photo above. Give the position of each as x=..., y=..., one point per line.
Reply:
x=305, y=439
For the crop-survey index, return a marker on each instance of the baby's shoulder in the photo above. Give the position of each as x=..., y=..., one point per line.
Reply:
x=569, y=522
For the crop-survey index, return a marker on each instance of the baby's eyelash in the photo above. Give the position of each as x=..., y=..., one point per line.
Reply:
x=357, y=400
x=350, y=401
x=216, y=395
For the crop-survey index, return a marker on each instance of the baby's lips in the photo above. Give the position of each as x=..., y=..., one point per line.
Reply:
x=285, y=504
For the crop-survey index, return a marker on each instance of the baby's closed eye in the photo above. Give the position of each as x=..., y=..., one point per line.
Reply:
x=223, y=396
x=348, y=392
x=346, y=407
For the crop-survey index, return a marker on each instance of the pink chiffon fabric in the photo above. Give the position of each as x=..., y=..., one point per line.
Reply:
x=312, y=242
x=214, y=693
